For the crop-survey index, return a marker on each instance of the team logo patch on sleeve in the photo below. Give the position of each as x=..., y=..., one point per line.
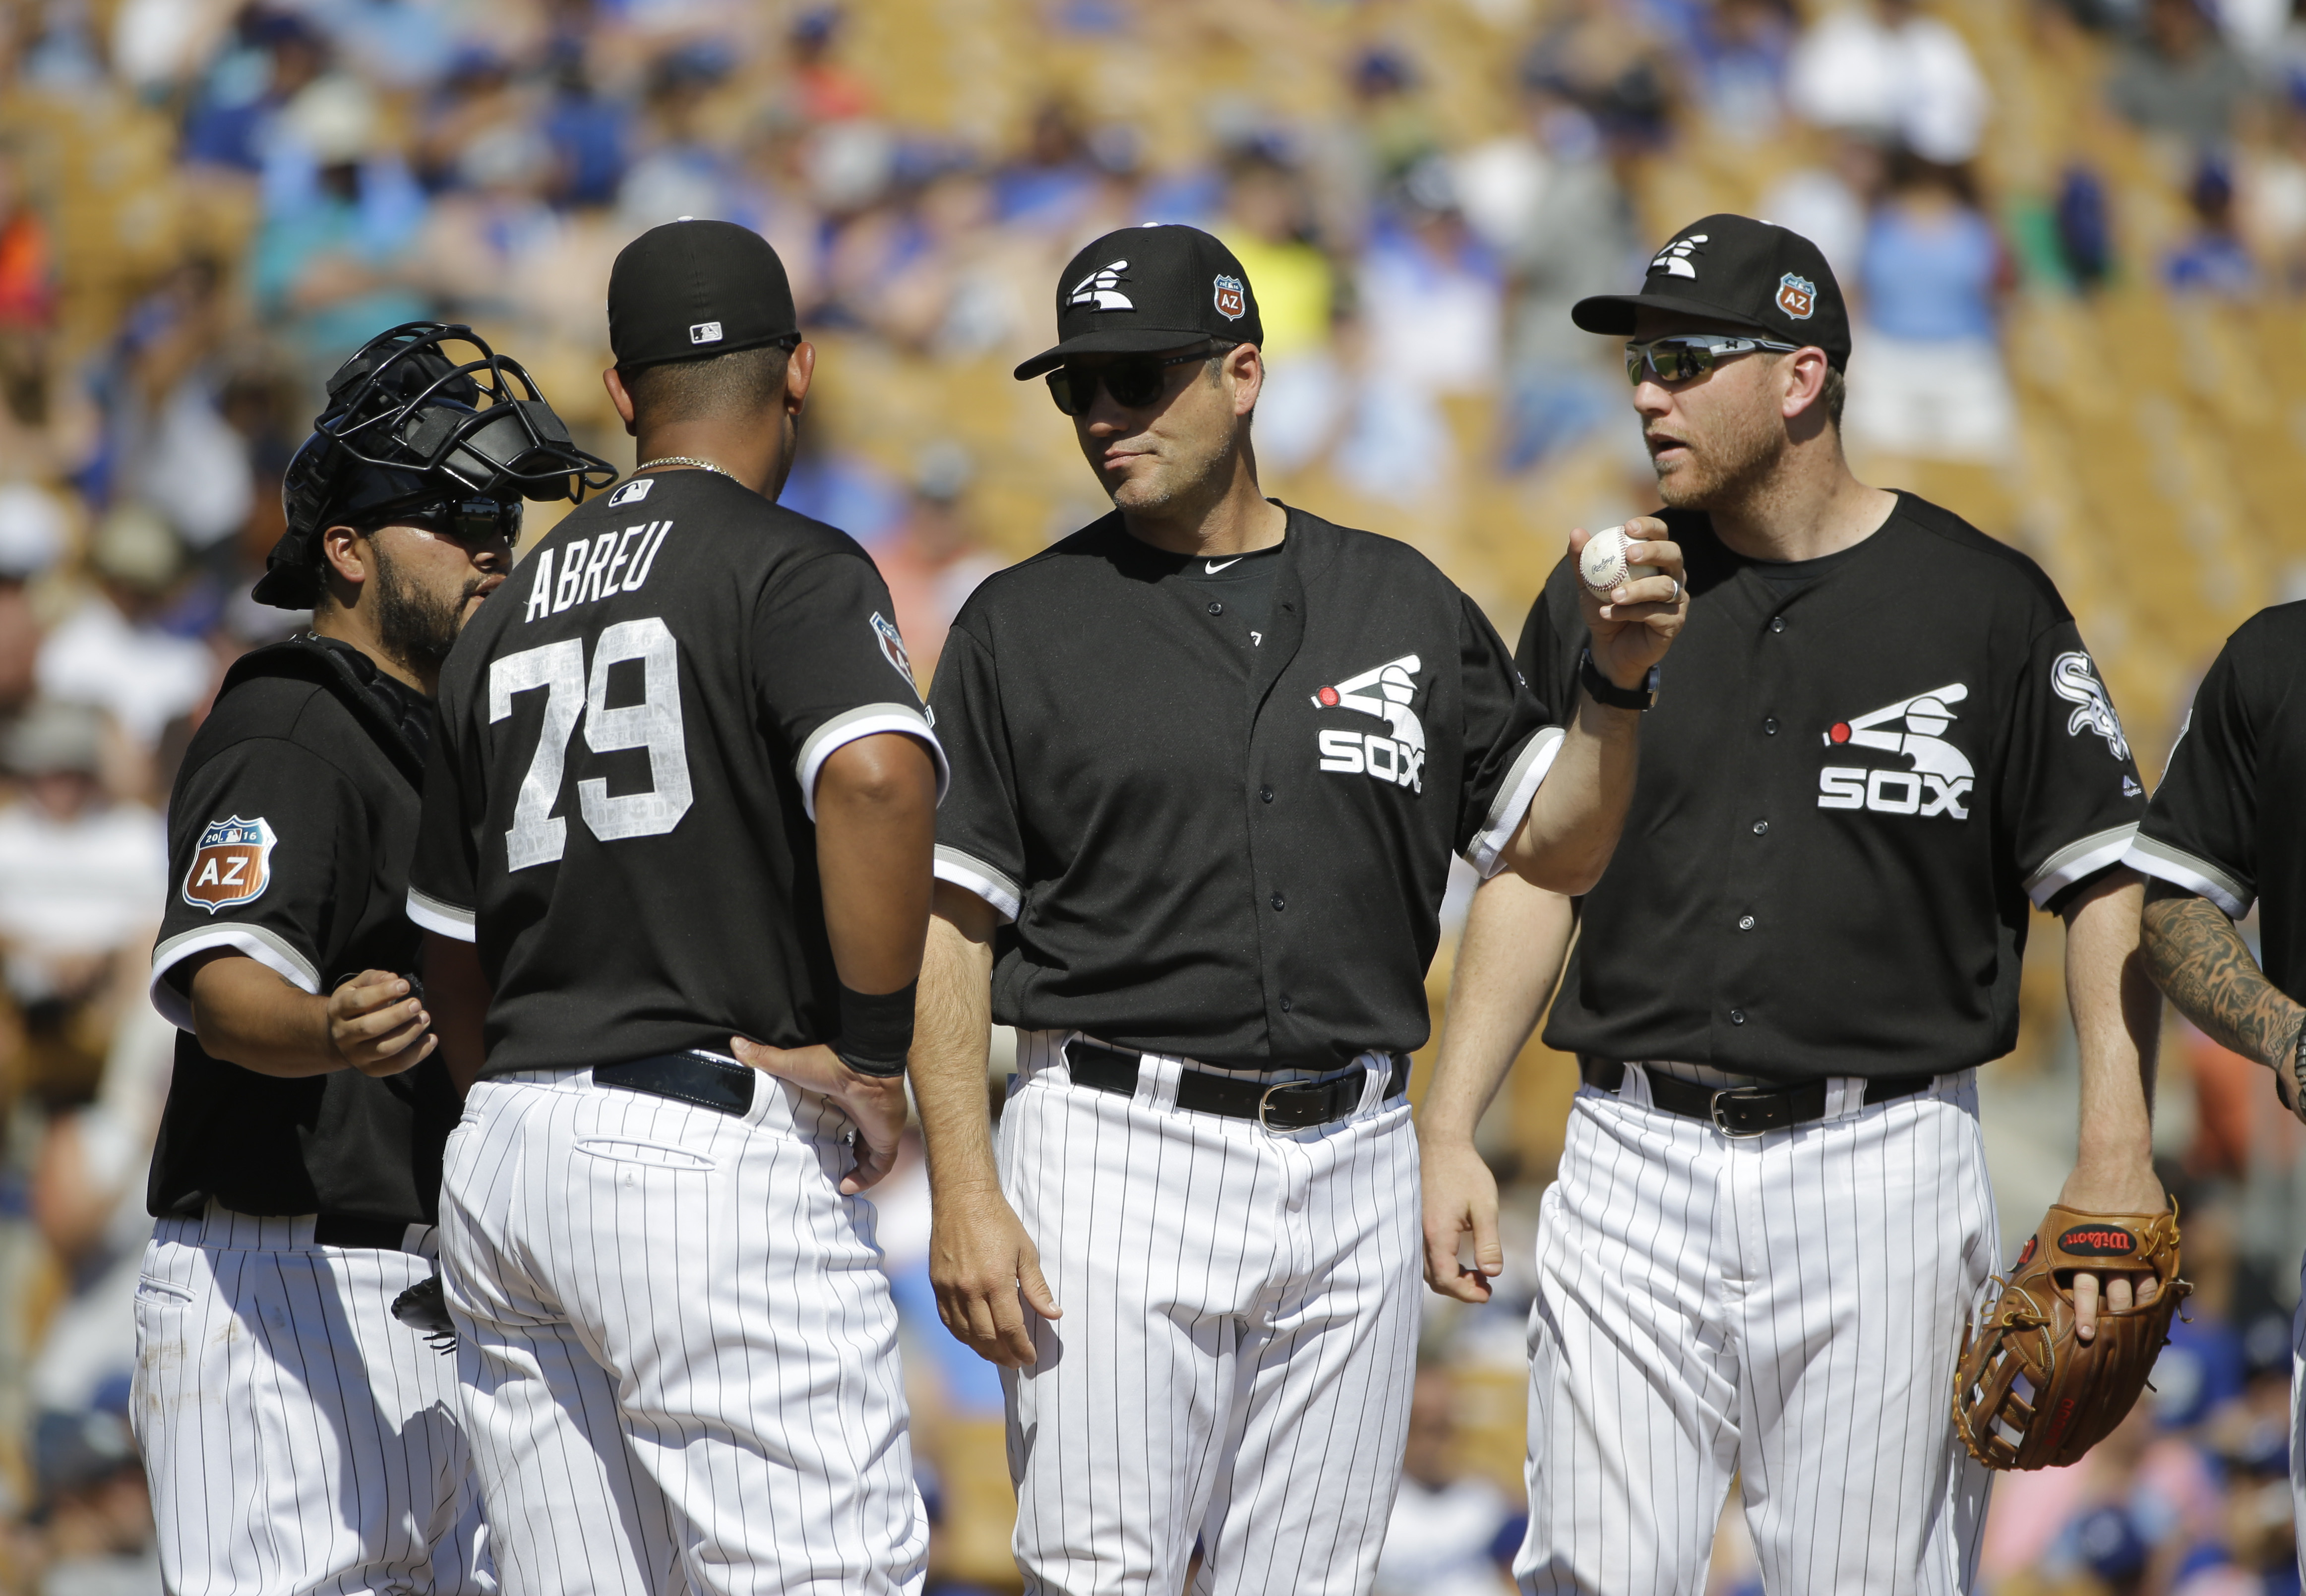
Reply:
x=1232, y=298
x=893, y=648
x=2074, y=679
x=231, y=865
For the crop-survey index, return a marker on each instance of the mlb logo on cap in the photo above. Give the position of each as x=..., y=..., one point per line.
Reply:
x=704, y=332
x=231, y=865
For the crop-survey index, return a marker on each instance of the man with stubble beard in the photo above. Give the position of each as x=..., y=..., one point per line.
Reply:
x=297, y=1437
x=1879, y=744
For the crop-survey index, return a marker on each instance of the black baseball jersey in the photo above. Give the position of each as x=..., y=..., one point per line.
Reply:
x=621, y=801
x=1859, y=769
x=289, y=834
x=2241, y=756
x=1216, y=798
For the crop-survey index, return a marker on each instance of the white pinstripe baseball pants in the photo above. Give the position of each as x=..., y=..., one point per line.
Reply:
x=297, y=1437
x=1785, y=1308
x=1239, y=1338
x=676, y=1349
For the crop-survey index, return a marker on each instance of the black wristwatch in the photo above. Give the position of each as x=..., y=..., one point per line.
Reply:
x=1605, y=691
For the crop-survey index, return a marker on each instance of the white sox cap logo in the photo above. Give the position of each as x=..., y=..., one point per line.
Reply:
x=1098, y=289
x=2074, y=679
x=1398, y=758
x=1674, y=259
x=1940, y=778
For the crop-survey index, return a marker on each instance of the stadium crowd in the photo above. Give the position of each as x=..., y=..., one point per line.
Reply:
x=2053, y=215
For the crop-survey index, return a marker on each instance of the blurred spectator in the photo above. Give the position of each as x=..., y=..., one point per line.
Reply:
x=1451, y=1533
x=933, y=561
x=588, y=132
x=271, y=57
x=111, y=651
x=1883, y=68
x=331, y=263
x=168, y=446
x=2084, y=227
x=476, y=99
x=1737, y=52
x=28, y=286
x=1830, y=203
x=829, y=92
x=2212, y=258
x=2178, y=77
x=1548, y=201
x=1600, y=56
x=682, y=170
x=34, y=526
x=2271, y=178
x=1053, y=178
x=49, y=427
x=1268, y=225
x=80, y=882
x=157, y=45
x=1925, y=377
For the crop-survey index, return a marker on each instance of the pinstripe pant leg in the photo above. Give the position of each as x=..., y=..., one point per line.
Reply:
x=297, y=1437
x=1632, y=1411
x=1867, y=1237
x=730, y=1304
x=1155, y=1237
x=1322, y=1405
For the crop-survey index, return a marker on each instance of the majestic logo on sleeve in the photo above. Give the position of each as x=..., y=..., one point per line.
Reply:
x=1674, y=259
x=1101, y=289
x=1937, y=781
x=1397, y=753
x=893, y=648
x=233, y=863
x=2074, y=679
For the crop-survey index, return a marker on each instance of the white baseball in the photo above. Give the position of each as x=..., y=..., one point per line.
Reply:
x=1603, y=566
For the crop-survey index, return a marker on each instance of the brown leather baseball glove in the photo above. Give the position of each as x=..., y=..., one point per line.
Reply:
x=2026, y=1394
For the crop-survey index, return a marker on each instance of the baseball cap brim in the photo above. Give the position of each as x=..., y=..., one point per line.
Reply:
x=1612, y=314
x=1133, y=340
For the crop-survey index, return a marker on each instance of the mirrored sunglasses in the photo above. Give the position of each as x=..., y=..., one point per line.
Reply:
x=1685, y=356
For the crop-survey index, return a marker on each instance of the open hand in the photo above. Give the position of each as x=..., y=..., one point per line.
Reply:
x=874, y=1103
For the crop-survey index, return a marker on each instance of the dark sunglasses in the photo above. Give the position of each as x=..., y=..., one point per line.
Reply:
x=1684, y=355
x=1133, y=383
x=467, y=520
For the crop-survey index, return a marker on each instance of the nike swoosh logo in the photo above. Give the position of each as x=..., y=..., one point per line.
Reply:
x=1213, y=567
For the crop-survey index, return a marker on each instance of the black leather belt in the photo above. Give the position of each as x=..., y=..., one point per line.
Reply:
x=1277, y=1106
x=1743, y=1110
x=698, y=1078
x=350, y=1230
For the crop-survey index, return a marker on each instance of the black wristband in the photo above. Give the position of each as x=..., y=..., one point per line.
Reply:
x=1605, y=691
x=876, y=1032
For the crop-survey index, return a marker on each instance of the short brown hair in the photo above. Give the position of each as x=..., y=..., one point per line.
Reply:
x=1834, y=395
x=738, y=382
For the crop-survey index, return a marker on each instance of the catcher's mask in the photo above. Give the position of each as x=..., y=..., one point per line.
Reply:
x=407, y=422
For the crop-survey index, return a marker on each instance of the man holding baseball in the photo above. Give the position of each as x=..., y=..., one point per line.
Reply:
x=1879, y=744
x=1211, y=757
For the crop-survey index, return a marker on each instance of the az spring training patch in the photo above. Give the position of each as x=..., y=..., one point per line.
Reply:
x=232, y=864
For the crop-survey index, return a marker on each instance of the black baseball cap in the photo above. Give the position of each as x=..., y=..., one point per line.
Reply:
x=1143, y=289
x=693, y=288
x=1737, y=269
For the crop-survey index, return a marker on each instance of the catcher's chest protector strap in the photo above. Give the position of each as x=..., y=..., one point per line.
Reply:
x=2028, y=1394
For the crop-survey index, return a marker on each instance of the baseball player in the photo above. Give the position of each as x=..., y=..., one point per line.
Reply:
x=1211, y=755
x=1880, y=739
x=677, y=832
x=2219, y=837
x=298, y=1439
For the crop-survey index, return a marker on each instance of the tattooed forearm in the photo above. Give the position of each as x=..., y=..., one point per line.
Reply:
x=2202, y=965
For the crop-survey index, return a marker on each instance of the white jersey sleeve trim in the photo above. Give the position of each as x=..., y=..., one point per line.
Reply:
x=2078, y=860
x=975, y=876
x=446, y=918
x=267, y=948
x=867, y=720
x=1486, y=853
x=2150, y=855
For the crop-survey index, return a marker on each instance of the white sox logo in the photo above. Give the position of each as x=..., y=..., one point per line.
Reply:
x=232, y=864
x=893, y=648
x=1674, y=259
x=1941, y=777
x=2074, y=679
x=1100, y=289
x=1399, y=757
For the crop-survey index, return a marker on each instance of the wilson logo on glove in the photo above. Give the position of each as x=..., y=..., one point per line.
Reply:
x=2089, y=1242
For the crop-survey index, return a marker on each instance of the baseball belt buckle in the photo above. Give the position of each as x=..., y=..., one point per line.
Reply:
x=1265, y=1102
x=1734, y=1095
